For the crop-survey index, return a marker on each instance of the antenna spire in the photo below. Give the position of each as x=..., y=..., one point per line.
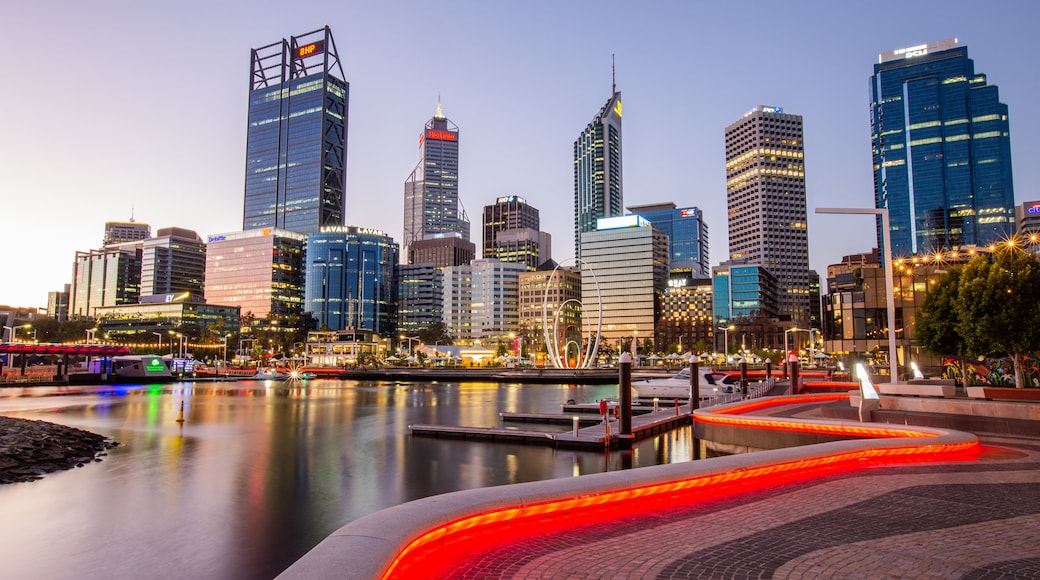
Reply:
x=440, y=113
x=131, y=213
x=613, y=75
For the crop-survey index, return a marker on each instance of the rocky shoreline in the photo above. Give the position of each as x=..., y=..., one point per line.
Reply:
x=31, y=449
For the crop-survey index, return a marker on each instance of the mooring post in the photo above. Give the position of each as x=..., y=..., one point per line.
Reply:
x=625, y=384
x=695, y=383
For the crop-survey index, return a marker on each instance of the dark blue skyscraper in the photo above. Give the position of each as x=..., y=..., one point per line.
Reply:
x=296, y=147
x=942, y=151
x=687, y=236
x=351, y=279
x=597, y=170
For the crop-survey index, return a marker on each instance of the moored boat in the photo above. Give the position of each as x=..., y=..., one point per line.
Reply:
x=678, y=386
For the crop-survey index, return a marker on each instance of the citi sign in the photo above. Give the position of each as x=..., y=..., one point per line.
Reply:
x=1034, y=209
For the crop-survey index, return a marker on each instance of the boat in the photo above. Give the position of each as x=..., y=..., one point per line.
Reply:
x=678, y=386
x=271, y=374
x=140, y=367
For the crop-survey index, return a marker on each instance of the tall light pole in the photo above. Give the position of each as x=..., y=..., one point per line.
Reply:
x=13, y=336
x=159, y=334
x=409, y=339
x=886, y=240
x=785, y=339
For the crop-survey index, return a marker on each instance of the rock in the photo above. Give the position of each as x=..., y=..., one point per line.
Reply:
x=29, y=449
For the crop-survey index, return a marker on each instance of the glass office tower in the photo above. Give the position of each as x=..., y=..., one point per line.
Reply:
x=351, y=279
x=942, y=151
x=687, y=236
x=431, y=192
x=296, y=146
x=597, y=170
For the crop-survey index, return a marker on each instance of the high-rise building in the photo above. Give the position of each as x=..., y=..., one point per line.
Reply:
x=765, y=195
x=261, y=272
x=296, y=145
x=109, y=276
x=131, y=231
x=687, y=236
x=58, y=303
x=942, y=151
x=173, y=262
x=597, y=170
x=511, y=233
x=625, y=261
x=431, y=192
x=420, y=297
x=686, y=314
x=551, y=296
x=442, y=250
x=481, y=300
x=350, y=279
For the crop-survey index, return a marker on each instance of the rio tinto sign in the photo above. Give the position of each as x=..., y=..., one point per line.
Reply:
x=441, y=135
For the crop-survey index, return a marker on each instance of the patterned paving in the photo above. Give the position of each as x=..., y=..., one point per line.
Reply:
x=975, y=520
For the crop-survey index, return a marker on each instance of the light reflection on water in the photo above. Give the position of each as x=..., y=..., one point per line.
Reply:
x=261, y=472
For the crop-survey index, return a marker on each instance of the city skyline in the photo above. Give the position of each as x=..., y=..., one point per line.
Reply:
x=683, y=75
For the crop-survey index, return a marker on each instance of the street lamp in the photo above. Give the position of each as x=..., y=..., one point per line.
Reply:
x=90, y=335
x=409, y=339
x=725, y=337
x=14, y=331
x=159, y=334
x=785, y=339
x=886, y=239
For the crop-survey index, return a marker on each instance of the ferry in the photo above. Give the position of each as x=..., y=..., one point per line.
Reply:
x=140, y=367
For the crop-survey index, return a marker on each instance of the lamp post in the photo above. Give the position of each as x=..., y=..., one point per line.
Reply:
x=14, y=331
x=224, y=356
x=789, y=330
x=159, y=334
x=725, y=338
x=886, y=239
x=409, y=339
x=90, y=335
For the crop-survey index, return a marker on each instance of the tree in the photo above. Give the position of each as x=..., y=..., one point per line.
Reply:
x=939, y=316
x=435, y=333
x=998, y=306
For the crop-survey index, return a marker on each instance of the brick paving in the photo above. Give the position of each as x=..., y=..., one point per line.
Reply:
x=977, y=520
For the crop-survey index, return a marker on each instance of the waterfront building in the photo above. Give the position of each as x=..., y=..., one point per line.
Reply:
x=942, y=151
x=131, y=231
x=260, y=272
x=481, y=301
x=687, y=236
x=686, y=314
x=1027, y=215
x=746, y=295
x=58, y=303
x=765, y=196
x=420, y=297
x=173, y=262
x=431, y=193
x=511, y=233
x=109, y=276
x=562, y=312
x=350, y=277
x=296, y=144
x=626, y=261
x=598, y=191
x=343, y=348
x=442, y=250
x=169, y=315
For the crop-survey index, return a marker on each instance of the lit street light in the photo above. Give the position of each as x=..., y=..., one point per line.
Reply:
x=159, y=334
x=13, y=335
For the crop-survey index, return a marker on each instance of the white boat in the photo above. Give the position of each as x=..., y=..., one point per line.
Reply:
x=150, y=367
x=270, y=374
x=678, y=386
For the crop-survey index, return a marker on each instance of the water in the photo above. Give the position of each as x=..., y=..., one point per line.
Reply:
x=259, y=472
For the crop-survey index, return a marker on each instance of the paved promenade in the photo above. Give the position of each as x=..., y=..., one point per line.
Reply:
x=936, y=520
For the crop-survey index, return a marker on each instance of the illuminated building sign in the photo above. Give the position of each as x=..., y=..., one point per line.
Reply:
x=625, y=221
x=917, y=50
x=1034, y=209
x=440, y=135
x=155, y=365
x=310, y=49
x=688, y=213
x=216, y=238
x=617, y=108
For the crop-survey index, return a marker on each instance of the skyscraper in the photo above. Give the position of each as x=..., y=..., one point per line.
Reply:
x=431, y=192
x=511, y=233
x=597, y=170
x=261, y=272
x=296, y=145
x=765, y=196
x=172, y=262
x=942, y=151
x=687, y=236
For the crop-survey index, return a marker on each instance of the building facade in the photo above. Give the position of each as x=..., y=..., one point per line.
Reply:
x=765, y=196
x=110, y=276
x=58, y=303
x=626, y=262
x=511, y=233
x=168, y=316
x=442, y=250
x=173, y=262
x=260, y=272
x=550, y=299
x=296, y=144
x=431, y=193
x=131, y=231
x=687, y=233
x=420, y=297
x=598, y=191
x=686, y=315
x=481, y=301
x=1027, y=215
x=942, y=151
x=350, y=277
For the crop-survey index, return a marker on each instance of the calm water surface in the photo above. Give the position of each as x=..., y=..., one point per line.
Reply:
x=259, y=472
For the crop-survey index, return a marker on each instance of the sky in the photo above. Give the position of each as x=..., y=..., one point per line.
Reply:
x=119, y=108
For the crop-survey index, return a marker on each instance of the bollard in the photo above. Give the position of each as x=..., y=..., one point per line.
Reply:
x=576, y=419
x=656, y=408
x=180, y=418
x=743, y=377
x=625, y=384
x=676, y=406
x=769, y=368
x=792, y=361
x=695, y=383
